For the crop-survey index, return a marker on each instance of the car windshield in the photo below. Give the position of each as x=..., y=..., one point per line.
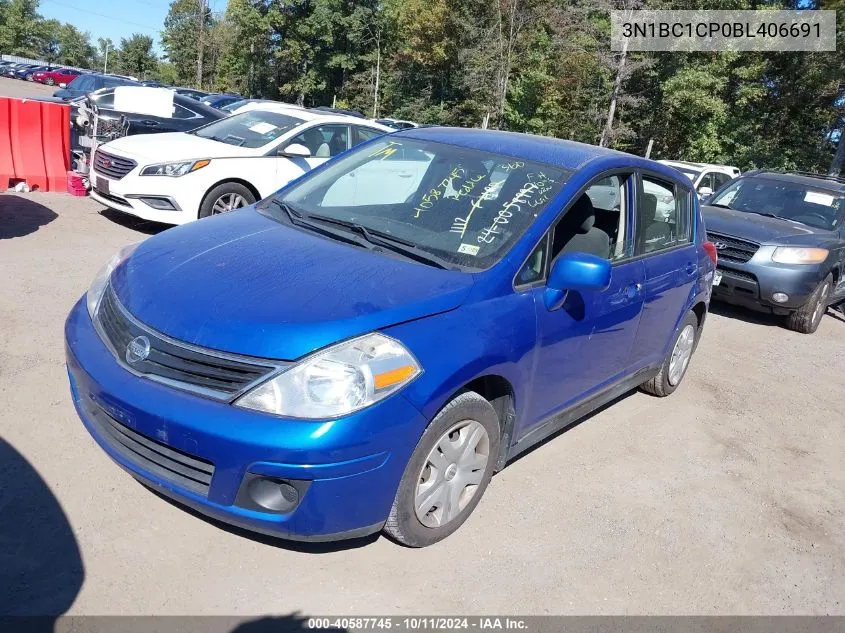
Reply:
x=463, y=206
x=783, y=199
x=690, y=173
x=249, y=129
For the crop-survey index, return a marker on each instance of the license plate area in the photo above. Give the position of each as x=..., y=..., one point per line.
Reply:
x=717, y=278
x=102, y=185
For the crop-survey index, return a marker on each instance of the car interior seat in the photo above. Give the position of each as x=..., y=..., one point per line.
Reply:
x=577, y=232
x=657, y=232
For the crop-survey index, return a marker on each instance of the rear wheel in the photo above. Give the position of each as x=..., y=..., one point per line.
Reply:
x=807, y=318
x=224, y=198
x=674, y=366
x=447, y=473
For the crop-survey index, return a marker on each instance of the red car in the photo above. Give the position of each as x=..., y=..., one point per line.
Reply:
x=56, y=76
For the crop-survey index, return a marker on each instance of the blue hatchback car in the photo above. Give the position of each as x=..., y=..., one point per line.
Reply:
x=364, y=349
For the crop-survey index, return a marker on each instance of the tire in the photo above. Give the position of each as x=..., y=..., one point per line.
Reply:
x=463, y=417
x=806, y=319
x=671, y=374
x=215, y=201
x=50, y=81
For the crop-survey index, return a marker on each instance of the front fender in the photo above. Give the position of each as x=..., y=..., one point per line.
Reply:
x=493, y=337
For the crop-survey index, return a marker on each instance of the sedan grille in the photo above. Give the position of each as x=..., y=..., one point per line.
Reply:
x=732, y=249
x=178, y=467
x=160, y=358
x=112, y=166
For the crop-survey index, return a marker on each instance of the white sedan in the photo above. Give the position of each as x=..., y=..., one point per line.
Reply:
x=231, y=163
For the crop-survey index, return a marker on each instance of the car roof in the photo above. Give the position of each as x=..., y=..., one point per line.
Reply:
x=679, y=164
x=819, y=181
x=567, y=154
x=310, y=115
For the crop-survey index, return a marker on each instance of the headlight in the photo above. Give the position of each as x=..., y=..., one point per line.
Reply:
x=799, y=255
x=174, y=169
x=339, y=380
x=98, y=286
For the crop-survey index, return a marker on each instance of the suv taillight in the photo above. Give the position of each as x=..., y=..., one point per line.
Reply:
x=710, y=249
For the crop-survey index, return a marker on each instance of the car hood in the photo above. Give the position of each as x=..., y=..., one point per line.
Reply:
x=759, y=228
x=246, y=284
x=173, y=146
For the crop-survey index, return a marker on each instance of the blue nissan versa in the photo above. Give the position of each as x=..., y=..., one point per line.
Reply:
x=362, y=350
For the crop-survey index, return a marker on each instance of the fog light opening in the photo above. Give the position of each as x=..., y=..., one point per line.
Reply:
x=275, y=495
x=780, y=297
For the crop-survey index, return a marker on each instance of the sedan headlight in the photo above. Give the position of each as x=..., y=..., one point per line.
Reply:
x=101, y=280
x=799, y=255
x=339, y=380
x=174, y=169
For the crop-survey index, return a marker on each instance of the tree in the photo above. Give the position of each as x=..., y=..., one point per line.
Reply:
x=74, y=47
x=181, y=38
x=136, y=56
x=21, y=30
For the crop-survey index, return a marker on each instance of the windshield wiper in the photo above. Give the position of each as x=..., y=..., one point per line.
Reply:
x=386, y=240
x=296, y=218
x=720, y=205
x=772, y=215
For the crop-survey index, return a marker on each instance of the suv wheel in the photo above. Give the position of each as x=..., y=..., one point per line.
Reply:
x=674, y=366
x=447, y=473
x=806, y=319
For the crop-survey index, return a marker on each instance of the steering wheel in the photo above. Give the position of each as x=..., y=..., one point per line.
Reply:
x=814, y=214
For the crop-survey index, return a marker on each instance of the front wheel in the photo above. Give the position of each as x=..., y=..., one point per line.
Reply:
x=224, y=198
x=447, y=473
x=50, y=81
x=674, y=366
x=807, y=318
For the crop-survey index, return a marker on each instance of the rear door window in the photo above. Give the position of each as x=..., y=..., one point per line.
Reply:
x=662, y=216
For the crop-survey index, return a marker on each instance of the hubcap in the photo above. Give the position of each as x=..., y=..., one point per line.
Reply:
x=681, y=355
x=228, y=202
x=451, y=474
x=822, y=304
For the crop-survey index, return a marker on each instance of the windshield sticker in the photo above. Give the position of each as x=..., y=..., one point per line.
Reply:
x=814, y=197
x=262, y=127
x=489, y=234
x=469, y=249
x=491, y=191
x=387, y=151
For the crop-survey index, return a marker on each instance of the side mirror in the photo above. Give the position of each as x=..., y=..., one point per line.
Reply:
x=704, y=192
x=295, y=150
x=575, y=271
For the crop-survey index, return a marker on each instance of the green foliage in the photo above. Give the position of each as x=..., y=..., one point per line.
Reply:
x=136, y=56
x=181, y=36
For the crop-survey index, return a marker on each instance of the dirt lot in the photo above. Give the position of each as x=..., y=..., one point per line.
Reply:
x=24, y=89
x=728, y=497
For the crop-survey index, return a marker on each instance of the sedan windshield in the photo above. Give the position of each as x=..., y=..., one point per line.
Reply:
x=249, y=129
x=783, y=199
x=463, y=206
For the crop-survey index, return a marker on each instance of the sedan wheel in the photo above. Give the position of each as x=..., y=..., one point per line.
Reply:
x=681, y=355
x=50, y=81
x=452, y=473
x=228, y=202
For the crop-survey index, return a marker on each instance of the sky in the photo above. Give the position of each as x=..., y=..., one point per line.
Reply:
x=115, y=18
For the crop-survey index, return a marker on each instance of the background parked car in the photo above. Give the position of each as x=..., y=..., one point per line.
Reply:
x=12, y=71
x=188, y=114
x=26, y=74
x=196, y=95
x=706, y=178
x=781, y=244
x=60, y=76
x=84, y=84
x=397, y=124
x=228, y=164
x=219, y=101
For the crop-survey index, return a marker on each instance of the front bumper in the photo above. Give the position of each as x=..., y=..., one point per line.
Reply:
x=753, y=283
x=349, y=468
x=125, y=195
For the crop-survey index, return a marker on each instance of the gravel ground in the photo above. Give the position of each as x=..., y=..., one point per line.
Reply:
x=726, y=498
x=24, y=89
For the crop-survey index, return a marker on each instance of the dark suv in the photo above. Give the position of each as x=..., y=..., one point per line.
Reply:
x=781, y=244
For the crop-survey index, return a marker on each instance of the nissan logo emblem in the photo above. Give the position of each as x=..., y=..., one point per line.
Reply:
x=137, y=350
x=106, y=162
x=720, y=245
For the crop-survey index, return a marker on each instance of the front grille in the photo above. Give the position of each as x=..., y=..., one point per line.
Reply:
x=732, y=249
x=214, y=374
x=737, y=274
x=112, y=166
x=176, y=466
